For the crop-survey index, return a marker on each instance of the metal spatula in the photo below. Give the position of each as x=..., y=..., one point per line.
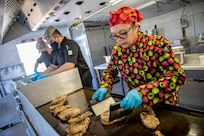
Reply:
x=117, y=112
x=99, y=107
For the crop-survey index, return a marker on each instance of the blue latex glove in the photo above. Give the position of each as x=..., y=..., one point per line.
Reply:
x=43, y=76
x=99, y=94
x=35, y=77
x=36, y=72
x=132, y=100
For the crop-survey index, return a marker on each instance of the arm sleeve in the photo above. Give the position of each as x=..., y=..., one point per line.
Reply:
x=40, y=59
x=72, y=52
x=168, y=80
x=109, y=74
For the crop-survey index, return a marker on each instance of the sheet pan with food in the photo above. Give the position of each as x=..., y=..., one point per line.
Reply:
x=72, y=115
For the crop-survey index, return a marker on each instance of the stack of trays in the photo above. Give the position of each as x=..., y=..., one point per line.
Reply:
x=16, y=130
x=10, y=112
x=13, y=121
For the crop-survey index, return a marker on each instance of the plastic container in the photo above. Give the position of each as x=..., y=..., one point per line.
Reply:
x=180, y=56
x=201, y=59
x=178, y=49
x=107, y=59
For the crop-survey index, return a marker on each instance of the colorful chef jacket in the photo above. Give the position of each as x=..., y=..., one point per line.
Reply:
x=150, y=67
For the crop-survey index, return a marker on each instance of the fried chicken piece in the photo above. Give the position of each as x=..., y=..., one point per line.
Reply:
x=53, y=107
x=80, y=117
x=104, y=118
x=158, y=133
x=79, y=128
x=149, y=119
x=60, y=109
x=78, y=134
x=68, y=113
x=150, y=110
x=60, y=99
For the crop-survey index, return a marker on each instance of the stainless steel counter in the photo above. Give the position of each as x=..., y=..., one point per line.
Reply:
x=192, y=62
x=192, y=66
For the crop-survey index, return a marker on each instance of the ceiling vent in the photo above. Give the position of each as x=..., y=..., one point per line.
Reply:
x=10, y=14
x=52, y=12
x=20, y=17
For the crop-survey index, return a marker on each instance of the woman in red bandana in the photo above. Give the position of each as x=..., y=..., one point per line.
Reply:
x=146, y=63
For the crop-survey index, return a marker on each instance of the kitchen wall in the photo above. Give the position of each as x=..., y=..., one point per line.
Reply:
x=169, y=25
x=9, y=55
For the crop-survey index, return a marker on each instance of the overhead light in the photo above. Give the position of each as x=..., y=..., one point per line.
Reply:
x=98, y=11
x=52, y=14
x=146, y=4
x=108, y=4
x=114, y=2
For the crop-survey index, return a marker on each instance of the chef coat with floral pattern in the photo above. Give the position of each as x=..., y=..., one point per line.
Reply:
x=150, y=66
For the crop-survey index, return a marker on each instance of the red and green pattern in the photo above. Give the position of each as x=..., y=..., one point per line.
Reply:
x=150, y=67
x=125, y=15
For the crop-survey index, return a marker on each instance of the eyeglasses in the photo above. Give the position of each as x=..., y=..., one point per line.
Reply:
x=121, y=36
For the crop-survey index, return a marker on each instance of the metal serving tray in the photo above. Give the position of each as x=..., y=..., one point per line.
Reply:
x=176, y=121
x=10, y=112
x=19, y=129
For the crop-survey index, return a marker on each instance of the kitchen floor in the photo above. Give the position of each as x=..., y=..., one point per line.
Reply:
x=190, y=96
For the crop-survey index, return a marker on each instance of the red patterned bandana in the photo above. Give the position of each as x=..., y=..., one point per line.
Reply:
x=125, y=15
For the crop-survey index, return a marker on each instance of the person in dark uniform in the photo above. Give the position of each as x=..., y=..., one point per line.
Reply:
x=68, y=57
x=44, y=58
x=45, y=54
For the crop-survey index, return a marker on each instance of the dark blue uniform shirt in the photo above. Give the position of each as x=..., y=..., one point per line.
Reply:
x=69, y=51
